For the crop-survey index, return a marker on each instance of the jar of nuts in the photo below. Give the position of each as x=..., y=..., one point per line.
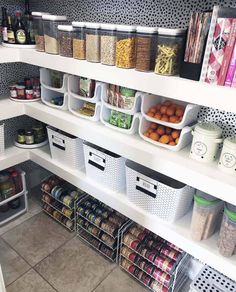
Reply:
x=66, y=40
x=146, y=46
x=125, y=46
x=93, y=42
x=38, y=30
x=79, y=41
x=108, y=44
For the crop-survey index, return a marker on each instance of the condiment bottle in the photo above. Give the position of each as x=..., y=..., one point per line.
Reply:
x=10, y=32
x=29, y=93
x=20, y=32
x=29, y=138
x=21, y=136
x=227, y=161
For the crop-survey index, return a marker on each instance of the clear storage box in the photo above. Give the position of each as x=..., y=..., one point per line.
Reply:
x=66, y=40
x=108, y=44
x=206, y=215
x=38, y=30
x=93, y=42
x=50, y=24
x=2, y=140
x=79, y=41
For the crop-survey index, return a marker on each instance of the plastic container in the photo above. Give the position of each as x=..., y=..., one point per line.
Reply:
x=170, y=47
x=2, y=140
x=66, y=40
x=146, y=46
x=79, y=41
x=54, y=80
x=93, y=42
x=38, y=30
x=227, y=236
x=206, y=215
x=206, y=140
x=227, y=161
x=108, y=44
x=125, y=46
x=50, y=24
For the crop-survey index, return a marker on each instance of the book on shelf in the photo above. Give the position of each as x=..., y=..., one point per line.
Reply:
x=231, y=69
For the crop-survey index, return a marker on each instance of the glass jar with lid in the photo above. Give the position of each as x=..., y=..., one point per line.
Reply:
x=146, y=46
x=50, y=24
x=125, y=46
x=93, y=42
x=170, y=47
x=79, y=41
x=38, y=29
x=108, y=44
x=65, y=37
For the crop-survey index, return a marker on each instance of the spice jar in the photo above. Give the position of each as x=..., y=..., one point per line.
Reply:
x=125, y=46
x=206, y=215
x=29, y=137
x=146, y=46
x=39, y=133
x=65, y=33
x=227, y=236
x=21, y=136
x=93, y=42
x=38, y=30
x=227, y=161
x=50, y=24
x=20, y=91
x=170, y=44
x=79, y=41
x=108, y=44
x=206, y=140
x=13, y=91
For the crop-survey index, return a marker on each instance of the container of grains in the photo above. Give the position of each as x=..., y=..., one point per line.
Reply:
x=206, y=216
x=125, y=46
x=50, y=24
x=108, y=44
x=38, y=30
x=170, y=47
x=79, y=41
x=227, y=237
x=146, y=46
x=65, y=37
x=93, y=42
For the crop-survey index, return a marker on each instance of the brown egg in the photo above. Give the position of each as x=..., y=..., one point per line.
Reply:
x=168, y=130
x=152, y=109
x=176, y=141
x=154, y=136
x=179, y=112
x=161, y=130
x=165, y=118
x=163, y=109
x=158, y=106
x=146, y=134
x=170, y=111
x=171, y=138
x=175, y=134
x=164, y=139
x=150, y=131
x=158, y=116
x=153, y=126
x=150, y=114
x=173, y=119
x=167, y=103
x=172, y=143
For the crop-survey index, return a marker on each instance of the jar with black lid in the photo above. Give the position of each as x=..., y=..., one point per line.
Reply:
x=93, y=42
x=29, y=137
x=79, y=41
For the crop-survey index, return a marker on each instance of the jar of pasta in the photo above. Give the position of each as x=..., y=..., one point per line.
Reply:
x=125, y=46
x=79, y=41
x=93, y=42
x=108, y=44
x=170, y=47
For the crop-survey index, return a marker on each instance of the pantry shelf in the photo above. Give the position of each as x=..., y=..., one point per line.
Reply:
x=178, y=233
x=10, y=109
x=13, y=156
x=8, y=55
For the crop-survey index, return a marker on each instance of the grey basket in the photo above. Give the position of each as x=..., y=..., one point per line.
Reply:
x=2, y=140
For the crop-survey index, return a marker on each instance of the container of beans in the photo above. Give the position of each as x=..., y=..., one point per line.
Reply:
x=227, y=237
x=38, y=30
x=50, y=24
x=125, y=46
x=93, y=42
x=170, y=43
x=206, y=215
x=79, y=41
x=146, y=46
x=65, y=37
x=108, y=44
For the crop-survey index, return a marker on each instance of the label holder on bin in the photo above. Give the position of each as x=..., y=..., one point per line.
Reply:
x=98, y=161
x=146, y=187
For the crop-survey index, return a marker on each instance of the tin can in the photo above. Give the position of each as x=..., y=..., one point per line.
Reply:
x=165, y=264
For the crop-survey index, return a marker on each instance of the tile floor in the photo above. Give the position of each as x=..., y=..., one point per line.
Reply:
x=39, y=255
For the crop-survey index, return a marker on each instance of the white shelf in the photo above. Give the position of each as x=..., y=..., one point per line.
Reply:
x=178, y=233
x=9, y=55
x=13, y=156
x=10, y=109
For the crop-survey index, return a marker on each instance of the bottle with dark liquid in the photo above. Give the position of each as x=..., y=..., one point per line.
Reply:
x=20, y=32
x=4, y=25
x=10, y=32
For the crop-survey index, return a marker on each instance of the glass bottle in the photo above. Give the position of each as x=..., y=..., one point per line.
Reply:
x=20, y=33
x=10, y=32
x=4, y=25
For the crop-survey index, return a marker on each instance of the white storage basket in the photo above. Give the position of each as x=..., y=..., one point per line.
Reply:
x=47, y=95
x=156, y=193
x=104, y=167
x=45, y=80
x=2, y=140
x=65, y=148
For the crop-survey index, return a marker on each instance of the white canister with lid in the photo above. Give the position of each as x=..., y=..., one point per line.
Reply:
x=206, y=140
x=227, y=161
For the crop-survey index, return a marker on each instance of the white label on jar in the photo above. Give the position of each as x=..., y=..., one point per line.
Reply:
x=4, y=34
x=200, y=148
x=144, y=185
x=228, y=160
x=13, y=93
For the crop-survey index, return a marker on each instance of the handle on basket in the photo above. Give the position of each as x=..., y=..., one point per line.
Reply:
x=97, y=161
x=58, y=142
x=146, y=187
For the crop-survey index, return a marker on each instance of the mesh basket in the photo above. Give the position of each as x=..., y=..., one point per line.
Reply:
x=156, y=193
x=105, y=167
x=2, y=140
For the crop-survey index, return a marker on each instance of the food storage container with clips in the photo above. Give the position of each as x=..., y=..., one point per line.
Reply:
x=108, y=44
x=227, y=161
x=79, y=41
x=38, y=30
x=66, y=40
x=93, y=42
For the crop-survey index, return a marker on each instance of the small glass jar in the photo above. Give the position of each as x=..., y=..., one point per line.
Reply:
x=170, y=47
x=146, y=46
x=29, y=137
x=108, y=44
x=21, y=136
x=227, y=161
x=79, y=41
x=38, y=30
x=93, y=42
x=50, y=24
x=65, y=37
x=20, y=91
x=13, y=91
x=125, y=47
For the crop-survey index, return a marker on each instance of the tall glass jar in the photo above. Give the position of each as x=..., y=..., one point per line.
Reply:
x=146, y=45
x=50, y=24
x=38, y=30
x=108, y=44
x=79, y=41
x=125, y=46
x=93, y=42
x=65, y=33
x=170, y=46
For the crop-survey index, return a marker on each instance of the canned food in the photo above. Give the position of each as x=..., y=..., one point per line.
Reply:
x=109, y=227
x=125, y=251
x=126, y=264
x=170, y=253
x=150, y=255
x=81, y=210
x=135, y=231
x=148, y=268
x=164, y=263
x=143, y=251
x=99, y=211
x=68, y=201
x=87, y=212
x=88, y=204
x=132, y=268
x=80, y=221
x=91, y=216
x=141, y=263
x=98, y=221
x=157, y=287
x=146, y=279
x=108, y=239
x=161, y=277
x=116, y=219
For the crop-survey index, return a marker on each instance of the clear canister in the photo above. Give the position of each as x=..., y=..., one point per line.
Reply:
x=170, y=47
x=93, y=42
x=206, y=216
x=146, y=46
x=50, y=24
x=38, y=30
x=108, y=44
x=65, y=37
x=79, y=41
x=125, y=46
x=227, y=237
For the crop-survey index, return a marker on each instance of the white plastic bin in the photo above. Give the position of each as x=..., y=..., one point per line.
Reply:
x=104, y=167
x=2, y=140
x=157, y=194
x=45, y=79
x=48, y=95
x=65, y=148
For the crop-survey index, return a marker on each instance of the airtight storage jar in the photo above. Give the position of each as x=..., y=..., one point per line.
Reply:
x=79, y=41
x=227, y=161
x=93, y=42
x=38, y=30
x=66, y=40
x=108, y=44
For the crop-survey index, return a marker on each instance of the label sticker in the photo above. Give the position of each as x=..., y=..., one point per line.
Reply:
x=146, y=187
